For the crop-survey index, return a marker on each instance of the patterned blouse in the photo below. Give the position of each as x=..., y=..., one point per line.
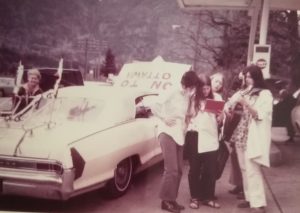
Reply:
x=240, y=134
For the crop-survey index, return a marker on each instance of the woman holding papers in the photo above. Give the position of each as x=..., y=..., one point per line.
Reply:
x=172, y=110
x=203, y=143
x=252, y=136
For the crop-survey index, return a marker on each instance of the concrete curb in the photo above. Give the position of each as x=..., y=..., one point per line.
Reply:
x=276, y=158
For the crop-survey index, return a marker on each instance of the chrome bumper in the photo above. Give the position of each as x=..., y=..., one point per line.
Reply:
x=36, y=184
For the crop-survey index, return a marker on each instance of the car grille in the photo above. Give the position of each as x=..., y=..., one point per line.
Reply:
x=46, y=166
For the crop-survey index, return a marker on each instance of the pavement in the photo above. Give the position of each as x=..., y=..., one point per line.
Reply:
x=282, y=183
x=283, y=180
x=282, y=186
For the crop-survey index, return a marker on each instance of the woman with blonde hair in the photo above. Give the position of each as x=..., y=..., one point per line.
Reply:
x=30, y=89
x=32, y=86
x=217, y=83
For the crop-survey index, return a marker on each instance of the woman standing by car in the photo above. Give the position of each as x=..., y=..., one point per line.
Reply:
x=28, y=90
x=172, y=111
x=252, y=136
x=203, y=144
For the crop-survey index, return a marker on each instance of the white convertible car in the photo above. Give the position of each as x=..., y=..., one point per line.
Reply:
x=88, y=137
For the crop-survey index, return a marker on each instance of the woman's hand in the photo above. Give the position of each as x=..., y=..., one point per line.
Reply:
x=243, y=101
x=246, y=104
x=228, y=111
x=220, y=118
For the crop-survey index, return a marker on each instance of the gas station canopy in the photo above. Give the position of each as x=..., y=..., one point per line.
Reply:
x=236, y=4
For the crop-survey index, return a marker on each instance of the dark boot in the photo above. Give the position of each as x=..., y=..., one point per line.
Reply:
x=169, y=206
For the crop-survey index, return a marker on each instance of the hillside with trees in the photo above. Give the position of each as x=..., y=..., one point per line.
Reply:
x=39, y=32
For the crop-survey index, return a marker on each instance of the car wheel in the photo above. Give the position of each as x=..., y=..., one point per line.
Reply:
x=122, y=178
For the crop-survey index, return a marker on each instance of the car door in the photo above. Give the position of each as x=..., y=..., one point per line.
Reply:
x=144, y=114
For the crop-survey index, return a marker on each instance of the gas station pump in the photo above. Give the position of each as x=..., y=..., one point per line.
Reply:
x=261, y=57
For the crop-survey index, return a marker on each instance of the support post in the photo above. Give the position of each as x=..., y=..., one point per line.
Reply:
x=264, y=22
x=254, y=13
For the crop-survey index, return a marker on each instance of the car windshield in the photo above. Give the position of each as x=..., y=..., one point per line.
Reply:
x=65, y=109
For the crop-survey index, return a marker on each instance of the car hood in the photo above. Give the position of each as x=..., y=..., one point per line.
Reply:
x=47, y=142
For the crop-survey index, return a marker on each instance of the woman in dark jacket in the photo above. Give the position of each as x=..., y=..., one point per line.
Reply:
x=28, y=90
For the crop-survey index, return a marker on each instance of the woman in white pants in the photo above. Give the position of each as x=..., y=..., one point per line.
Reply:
x=252, y=137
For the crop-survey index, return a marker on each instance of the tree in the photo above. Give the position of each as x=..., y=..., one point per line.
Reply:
x=109, y=65
x=285, y=40
x=224, y=46
x=218, y=41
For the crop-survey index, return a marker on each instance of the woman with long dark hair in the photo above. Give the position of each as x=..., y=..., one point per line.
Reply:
x=252, y=136
x=202, y=150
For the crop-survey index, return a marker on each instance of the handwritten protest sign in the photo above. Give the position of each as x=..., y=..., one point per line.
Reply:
x=156, y=76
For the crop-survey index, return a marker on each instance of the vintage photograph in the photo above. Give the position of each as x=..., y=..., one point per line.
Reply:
x=152, y=106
